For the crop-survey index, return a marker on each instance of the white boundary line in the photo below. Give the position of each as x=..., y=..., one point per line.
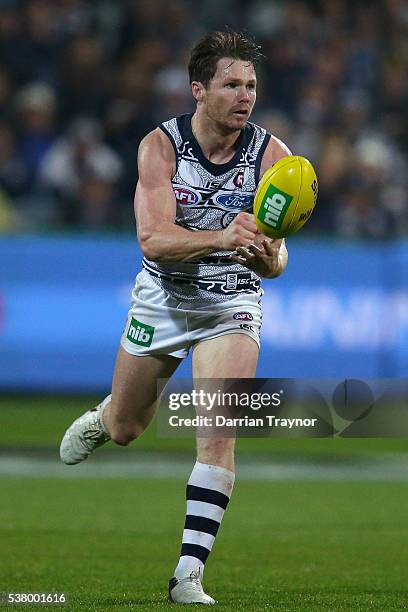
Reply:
x=392, y=467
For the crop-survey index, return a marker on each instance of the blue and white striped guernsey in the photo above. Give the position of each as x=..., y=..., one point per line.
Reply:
x=208, y=197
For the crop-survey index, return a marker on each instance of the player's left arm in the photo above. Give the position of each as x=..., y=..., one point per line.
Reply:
x=266, y=257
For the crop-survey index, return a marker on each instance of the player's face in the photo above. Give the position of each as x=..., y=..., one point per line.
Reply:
x=231, y=93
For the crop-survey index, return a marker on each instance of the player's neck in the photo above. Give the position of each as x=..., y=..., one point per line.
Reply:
x=217, y=144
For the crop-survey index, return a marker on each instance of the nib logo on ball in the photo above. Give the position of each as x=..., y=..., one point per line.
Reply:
x=274, y=207
x=286, y=197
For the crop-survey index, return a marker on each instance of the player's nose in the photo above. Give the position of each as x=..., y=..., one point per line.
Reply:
x=243, y=95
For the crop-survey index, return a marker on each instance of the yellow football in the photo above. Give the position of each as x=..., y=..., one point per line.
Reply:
x=286, y=197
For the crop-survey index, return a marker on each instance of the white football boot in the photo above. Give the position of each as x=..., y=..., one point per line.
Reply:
x=84, y=435
x=188, y=590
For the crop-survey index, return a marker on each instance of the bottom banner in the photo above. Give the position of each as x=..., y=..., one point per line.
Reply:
x=284, y=407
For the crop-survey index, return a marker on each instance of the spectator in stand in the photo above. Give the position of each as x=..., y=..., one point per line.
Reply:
x=86, y=77
x=30, y=43
x=36, y=105
x=335, y=75
x=14, y=174
x=96, y=205
x=75, y=159
x=6, y=94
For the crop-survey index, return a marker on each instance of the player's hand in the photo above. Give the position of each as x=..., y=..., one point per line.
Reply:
x=262, y=257
x=241, y=232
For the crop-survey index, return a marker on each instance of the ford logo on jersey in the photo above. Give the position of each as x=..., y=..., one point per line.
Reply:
x=234, y=201
x=185, y=196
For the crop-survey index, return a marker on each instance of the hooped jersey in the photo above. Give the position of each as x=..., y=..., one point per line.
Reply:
x=208, y=197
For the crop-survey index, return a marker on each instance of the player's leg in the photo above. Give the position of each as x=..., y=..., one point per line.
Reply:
x=134, y=394
x=228, y=356
x=212, y=479
x=124, y=414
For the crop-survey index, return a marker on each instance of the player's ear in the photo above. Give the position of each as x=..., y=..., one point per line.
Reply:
x=198, y=91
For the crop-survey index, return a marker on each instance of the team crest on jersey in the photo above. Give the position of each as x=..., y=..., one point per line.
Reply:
x=239, y=178
x=227, y=218
x=234, y=201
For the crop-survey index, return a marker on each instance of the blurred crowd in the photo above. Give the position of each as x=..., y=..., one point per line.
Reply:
x=82, y=81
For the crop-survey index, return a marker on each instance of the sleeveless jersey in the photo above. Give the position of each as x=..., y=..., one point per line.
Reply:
x=208, y=197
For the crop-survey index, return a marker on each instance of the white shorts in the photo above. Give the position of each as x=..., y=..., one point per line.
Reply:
x=160, y=325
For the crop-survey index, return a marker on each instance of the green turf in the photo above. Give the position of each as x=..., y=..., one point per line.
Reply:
x=39, y=422
x=295, y=546
x=284, y=546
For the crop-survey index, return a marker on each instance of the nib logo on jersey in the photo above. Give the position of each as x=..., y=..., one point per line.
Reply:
x=274, y=207
x=140, y=333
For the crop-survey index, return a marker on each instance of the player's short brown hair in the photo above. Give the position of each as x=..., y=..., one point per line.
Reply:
x=216, y=45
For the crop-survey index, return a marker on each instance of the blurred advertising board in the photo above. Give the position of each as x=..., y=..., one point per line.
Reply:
x=340, y=310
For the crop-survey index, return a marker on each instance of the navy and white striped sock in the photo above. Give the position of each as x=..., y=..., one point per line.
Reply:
x=208, y=493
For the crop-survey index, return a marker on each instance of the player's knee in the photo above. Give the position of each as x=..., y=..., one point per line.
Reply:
x=124, y=434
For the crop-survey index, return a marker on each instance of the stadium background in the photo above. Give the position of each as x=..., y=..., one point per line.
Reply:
x=80, y=84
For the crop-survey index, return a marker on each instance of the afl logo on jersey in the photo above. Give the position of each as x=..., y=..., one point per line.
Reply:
x=243, y=316
x=234, y=201
x=185, y=196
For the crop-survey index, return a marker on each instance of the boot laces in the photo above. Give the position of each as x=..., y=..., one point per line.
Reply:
x=195, y=581
x=93, y=434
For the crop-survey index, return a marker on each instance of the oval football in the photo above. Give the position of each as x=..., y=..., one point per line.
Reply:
x=286, y=196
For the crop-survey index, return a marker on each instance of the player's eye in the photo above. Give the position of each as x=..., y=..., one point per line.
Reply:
x=231, y=85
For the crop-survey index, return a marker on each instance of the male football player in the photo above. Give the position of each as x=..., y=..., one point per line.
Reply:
x=203, y=261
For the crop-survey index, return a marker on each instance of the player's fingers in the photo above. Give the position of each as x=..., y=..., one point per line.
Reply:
x=245, y=252
x=251, y=226
x=238, y=259
x=247, y=221
x=240, y=236
x=256, y=250
x=270, y=248
x=245, y=216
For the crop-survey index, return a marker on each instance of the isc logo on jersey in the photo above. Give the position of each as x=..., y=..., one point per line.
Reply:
x=234, y=201
x=185, y=195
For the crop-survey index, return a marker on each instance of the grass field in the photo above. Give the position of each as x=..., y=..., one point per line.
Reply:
x=112, y=544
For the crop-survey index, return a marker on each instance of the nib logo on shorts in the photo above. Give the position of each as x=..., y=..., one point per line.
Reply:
x=140, y=333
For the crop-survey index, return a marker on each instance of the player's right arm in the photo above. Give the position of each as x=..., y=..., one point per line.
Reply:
x=155, y=210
